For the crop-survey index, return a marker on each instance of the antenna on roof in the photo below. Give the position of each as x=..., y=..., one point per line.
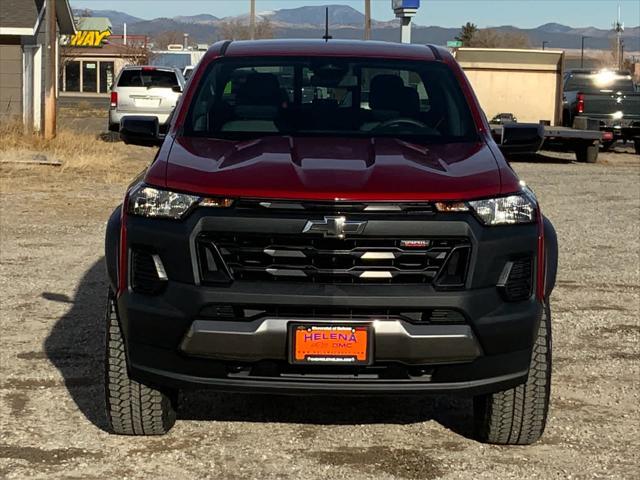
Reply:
x=326, y=37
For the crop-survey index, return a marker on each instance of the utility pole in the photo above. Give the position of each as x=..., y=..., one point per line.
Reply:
x=50, y=72
x=582, y=52
x=618, y=27
x=252, y=20
x=367, y=19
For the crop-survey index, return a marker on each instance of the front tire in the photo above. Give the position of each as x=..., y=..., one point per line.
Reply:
x=518, y=416
x=132, y=408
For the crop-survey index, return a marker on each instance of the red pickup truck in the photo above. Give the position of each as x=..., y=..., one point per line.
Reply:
x=328, y=218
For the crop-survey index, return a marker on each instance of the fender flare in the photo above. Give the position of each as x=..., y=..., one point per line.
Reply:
x=551, y=256
x=112, y=247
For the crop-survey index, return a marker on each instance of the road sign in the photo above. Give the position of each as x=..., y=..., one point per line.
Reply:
x=454, y=44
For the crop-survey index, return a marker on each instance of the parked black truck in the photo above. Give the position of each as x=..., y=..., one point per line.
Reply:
x=607, y=96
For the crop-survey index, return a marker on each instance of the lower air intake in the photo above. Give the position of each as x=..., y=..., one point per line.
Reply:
x=145, y=277
x=516, y=280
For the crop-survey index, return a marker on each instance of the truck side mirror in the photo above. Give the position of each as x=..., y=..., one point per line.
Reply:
x=143, y=131
x=177, y=89
x=514, y=138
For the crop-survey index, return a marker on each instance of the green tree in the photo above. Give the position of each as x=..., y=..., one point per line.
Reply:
x=467, y=33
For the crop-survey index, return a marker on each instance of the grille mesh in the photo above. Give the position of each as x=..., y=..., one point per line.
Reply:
x=221, y=312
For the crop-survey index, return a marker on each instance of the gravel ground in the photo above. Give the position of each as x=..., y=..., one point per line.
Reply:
x=53, y=295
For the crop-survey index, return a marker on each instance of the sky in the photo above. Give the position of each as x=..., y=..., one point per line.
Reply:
x=444, y=13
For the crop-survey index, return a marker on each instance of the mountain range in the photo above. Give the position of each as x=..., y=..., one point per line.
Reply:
x=347, y=22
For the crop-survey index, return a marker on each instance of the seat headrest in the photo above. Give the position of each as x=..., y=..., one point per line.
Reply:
x=409, y=102
x=260, y=89
x=384, y=92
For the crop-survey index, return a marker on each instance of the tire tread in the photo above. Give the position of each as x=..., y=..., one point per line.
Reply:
x=518, y=416
x=132, y=408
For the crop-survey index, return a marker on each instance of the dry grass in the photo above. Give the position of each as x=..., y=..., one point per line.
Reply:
x=82, y=110
x=80, y=154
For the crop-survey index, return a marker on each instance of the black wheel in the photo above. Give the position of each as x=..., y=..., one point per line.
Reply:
x=132, y=408
x=587, y=153
x=636, y=144
x=606, y=146
x=518, y=416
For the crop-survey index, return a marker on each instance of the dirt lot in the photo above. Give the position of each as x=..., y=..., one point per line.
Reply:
x=53, y=294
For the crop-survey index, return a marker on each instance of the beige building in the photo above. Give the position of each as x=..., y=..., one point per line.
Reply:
x=526, y=83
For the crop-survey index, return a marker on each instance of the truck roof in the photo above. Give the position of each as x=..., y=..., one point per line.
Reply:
x=339, y=48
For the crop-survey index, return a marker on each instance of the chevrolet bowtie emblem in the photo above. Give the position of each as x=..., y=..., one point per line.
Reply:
x=334, y=227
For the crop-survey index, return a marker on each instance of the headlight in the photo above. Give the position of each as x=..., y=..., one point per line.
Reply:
x=509, y=210
x=152, y=202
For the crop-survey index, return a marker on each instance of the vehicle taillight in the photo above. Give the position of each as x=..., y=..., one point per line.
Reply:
x=114, y=99
x=581, y=103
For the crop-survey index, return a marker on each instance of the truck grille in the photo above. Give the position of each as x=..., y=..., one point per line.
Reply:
x=315, y=259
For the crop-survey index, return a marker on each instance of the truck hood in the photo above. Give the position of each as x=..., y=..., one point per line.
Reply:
x=332, y=169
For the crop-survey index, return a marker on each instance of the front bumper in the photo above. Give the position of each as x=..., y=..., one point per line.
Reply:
x=171, y=343
x=395, y=340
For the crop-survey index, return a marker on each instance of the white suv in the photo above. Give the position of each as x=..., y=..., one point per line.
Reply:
x=145, y=91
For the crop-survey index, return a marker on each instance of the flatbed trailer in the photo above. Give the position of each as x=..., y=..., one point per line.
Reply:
x=585, y=143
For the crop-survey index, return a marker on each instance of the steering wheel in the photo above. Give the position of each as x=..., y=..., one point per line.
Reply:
x=400, y=121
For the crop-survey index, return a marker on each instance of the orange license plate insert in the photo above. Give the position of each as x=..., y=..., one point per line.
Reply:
x=331, y=344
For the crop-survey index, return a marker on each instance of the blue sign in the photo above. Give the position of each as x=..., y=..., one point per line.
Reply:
x=406, y=4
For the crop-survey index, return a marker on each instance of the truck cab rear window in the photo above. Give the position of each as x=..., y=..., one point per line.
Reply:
x=148, y=78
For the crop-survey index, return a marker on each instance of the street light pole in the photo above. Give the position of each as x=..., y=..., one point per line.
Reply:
x=252, y=20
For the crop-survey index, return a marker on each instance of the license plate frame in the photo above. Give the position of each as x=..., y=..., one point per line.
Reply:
x=147, y=102
x=332, y=356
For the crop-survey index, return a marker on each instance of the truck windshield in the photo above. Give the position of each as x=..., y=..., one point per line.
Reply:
x=604, y=81
x=324, y=96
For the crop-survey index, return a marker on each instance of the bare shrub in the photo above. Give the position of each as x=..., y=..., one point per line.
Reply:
x=237, y=30
x=490, y=38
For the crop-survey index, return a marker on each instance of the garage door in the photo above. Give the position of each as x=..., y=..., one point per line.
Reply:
x=10, y=82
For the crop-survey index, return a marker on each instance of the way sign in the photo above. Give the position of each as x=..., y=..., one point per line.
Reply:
x=454, y=44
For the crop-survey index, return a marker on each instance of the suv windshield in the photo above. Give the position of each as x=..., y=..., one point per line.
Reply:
x=148, y=77
x=327, y=96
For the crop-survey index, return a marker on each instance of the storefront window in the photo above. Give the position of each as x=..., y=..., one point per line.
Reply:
x=72, y=75
x=106, y=76
x=90, y=77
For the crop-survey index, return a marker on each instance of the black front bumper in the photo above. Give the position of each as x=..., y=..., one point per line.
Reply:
x=170, y=344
